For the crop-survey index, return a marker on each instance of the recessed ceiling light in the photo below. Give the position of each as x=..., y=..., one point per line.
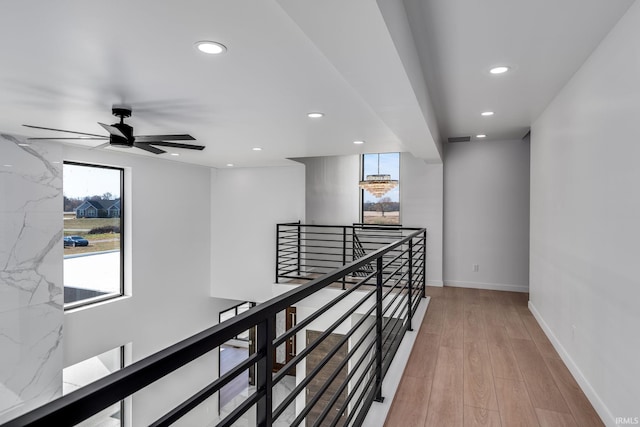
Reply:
x=481, y=136
x=499, y=70
x=487, y=113
x=315, y=115
x=212, y=48
x=8, y=166
x=175, y=154
x=358, y=142
x=257, y=149
x=230, y=165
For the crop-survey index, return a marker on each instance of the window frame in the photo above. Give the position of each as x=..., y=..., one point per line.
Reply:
x=124, y=404
x=121, y=293
x=235, y=313
x=362, y=178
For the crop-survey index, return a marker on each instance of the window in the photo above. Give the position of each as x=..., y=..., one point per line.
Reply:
x=234, y=311
x=93, y=229
x=90, y=370
x=384, y=209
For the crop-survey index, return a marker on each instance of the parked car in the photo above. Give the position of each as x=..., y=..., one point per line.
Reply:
x=75, y=241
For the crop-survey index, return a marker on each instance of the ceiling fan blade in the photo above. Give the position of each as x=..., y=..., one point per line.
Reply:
x=148, y=148
x=82, y=138
x=106, y=144
x=113, y=130
x=149, y=138
x=62, y=130
x=175, y=145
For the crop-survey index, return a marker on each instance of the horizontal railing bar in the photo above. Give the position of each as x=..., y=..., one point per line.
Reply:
x=241, y=409
x=339, y=238
x=322, y=233
x=391, y=352
x=390, y=304
x=304, y=244
x=296, y=277
x=195, y=400
x=373, y=237
x=358, y=226
x=309, y=377
x=305, y=411
x=309, y=255
x=345, y=404
x=335, y=262
x=317, y=313
x=354, y=369
x=288, y=251
x=310, y=347
x=288, y=236
x=287, y=263
x=391, y=275
x=318, y=395
x=397, y=294
x=390, y=333
x=85, y=402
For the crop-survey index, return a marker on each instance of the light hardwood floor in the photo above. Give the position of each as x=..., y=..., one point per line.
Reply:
x=481, y=359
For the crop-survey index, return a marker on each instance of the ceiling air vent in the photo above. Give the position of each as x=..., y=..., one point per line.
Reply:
x=460, y=139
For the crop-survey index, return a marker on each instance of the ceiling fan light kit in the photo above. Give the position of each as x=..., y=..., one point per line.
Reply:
x=121, y=135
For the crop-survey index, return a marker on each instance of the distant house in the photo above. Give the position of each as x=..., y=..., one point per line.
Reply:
x=99, y=209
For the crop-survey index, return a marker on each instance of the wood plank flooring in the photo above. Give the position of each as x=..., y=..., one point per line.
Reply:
x=481, y=359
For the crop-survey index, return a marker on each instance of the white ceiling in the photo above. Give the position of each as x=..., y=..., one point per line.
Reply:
x=65, y=63
x=544, y=41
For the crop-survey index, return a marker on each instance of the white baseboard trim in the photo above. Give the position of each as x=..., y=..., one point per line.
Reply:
x=597, y=403
x=490, y=286
x=438, y=283
x=379, y=410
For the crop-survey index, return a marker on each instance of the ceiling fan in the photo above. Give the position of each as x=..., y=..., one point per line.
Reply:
x=121, y=135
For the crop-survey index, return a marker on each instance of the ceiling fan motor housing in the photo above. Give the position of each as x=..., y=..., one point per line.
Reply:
x=119, y=141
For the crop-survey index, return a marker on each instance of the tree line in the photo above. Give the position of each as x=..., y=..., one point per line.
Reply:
x=383, y=205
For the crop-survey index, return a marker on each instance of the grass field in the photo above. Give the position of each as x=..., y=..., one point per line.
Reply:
x=97, y=242
x=89, y=223
x=93, y=247
x=375, y=217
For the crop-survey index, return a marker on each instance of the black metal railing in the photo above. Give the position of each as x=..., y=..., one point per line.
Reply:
x=305, y=252
x=332, y=359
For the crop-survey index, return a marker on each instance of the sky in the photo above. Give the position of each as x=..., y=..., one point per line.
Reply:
x=81, y=181
x=390, y=165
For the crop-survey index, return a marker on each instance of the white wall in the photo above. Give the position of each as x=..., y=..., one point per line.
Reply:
x=332, y=192
x=585, y=229
x=421, y=205
x=246, y=205
x=167, y=243
x=333, y=197
x=486, y=208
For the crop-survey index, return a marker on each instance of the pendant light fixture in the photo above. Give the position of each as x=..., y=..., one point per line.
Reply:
x=378, y=184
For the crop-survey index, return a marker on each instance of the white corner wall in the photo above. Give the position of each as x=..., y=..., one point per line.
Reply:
x=246, y=205
x=167, y=242
x=333, y=197
x=585, y=222
x=486, y=208
x=421, y=205
x=332, y=192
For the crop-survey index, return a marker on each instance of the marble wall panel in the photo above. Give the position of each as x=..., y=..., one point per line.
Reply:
x=31, y=284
